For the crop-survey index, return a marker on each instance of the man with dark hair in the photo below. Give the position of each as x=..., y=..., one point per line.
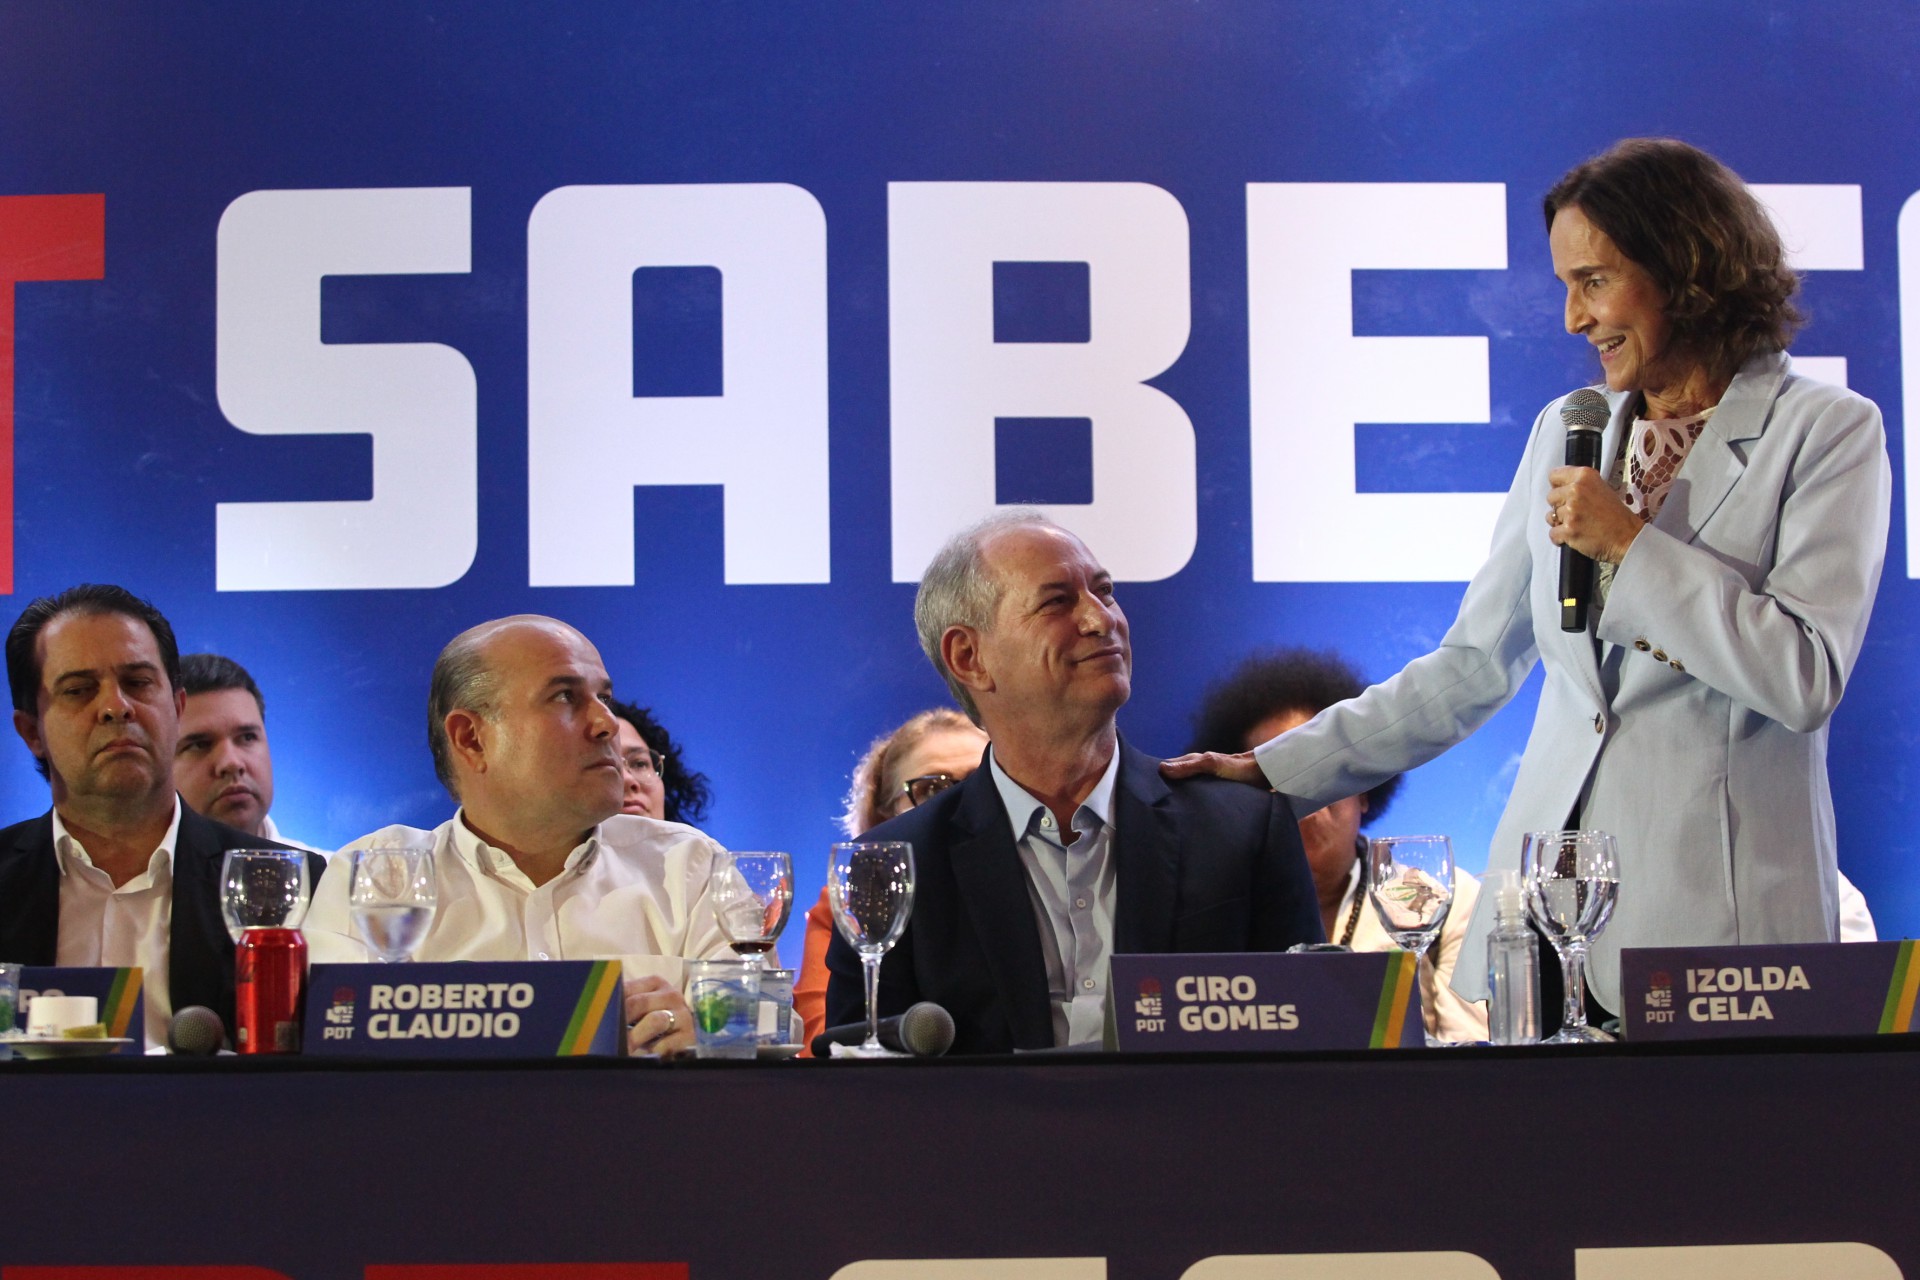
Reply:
x=1066, y=846
x=223, y=766
x=119, y=872
x=538, y=862
x=1270, y=693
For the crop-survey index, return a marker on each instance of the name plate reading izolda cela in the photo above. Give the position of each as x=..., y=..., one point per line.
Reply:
x=1265, y=1002
x=480, y=1009
x=121, y=993
x=1790, y=989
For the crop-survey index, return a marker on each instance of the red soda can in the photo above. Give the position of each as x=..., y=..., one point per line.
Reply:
x=269, y=988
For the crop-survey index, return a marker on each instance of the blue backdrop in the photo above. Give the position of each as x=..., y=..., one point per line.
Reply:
x=123, y=444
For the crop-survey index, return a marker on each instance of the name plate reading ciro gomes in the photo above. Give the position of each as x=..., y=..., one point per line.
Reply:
x=479, y=1009
x=1262, y=1002
x=1796, y=989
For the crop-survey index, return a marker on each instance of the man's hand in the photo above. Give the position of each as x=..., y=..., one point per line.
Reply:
x=658, y=1019
x=1236, y=768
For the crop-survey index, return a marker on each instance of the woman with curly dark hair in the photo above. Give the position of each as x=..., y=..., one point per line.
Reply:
x=658, y=782
x=1737, y=523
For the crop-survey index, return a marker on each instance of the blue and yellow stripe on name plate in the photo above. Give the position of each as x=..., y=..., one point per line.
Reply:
x=1390, y=1018
x=591, y=1011
x=1897, y=1017
x=121, y=998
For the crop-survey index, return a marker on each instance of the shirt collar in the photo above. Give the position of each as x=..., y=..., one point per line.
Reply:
x=490, y=861
x=66, y=847
x=1025, y=812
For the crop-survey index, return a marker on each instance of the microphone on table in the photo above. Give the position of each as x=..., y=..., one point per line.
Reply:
x=925, y=1031
x=1585, y=414
x=197, y=1032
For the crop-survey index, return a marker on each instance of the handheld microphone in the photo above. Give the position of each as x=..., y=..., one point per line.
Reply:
x=1584, y=413
x=925, y=1031
x=197, y=1031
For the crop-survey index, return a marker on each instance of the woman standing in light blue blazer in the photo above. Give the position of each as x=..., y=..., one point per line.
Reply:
x=1739, y=531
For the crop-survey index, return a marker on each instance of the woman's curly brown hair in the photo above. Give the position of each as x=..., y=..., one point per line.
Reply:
x=1710, y=247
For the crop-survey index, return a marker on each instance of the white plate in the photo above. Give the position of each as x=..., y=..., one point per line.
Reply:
x=61, y=1047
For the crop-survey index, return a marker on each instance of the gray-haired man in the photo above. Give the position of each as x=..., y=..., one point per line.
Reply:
x=1067, y=846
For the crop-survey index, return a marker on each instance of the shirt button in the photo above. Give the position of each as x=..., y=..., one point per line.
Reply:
x=1659, y=655
x=1642, y=645
x=545, y=956
x=1599, y=722
x=1080, y=902
x=1675, y=664
x=1086, y=984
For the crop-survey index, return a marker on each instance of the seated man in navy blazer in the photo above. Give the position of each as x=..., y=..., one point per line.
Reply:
x=119, y=872
x=1067, y=845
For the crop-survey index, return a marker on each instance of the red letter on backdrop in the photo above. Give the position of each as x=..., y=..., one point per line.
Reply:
x=41, y=238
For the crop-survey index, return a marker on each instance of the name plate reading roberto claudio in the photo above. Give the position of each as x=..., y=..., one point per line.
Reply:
x=480, y=1009
x=1265, y=1001
x=1796, y=989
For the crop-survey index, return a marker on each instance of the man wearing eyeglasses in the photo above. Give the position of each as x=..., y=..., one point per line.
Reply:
x=538, y=862
x=1067, y=846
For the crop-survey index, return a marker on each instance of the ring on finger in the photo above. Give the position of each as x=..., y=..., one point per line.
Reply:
x=673, y=1021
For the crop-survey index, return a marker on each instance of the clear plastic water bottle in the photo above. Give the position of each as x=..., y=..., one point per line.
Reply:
x=1513, y=965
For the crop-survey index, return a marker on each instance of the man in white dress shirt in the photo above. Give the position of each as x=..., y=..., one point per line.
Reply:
x=118, y=872
x=539, y=863
x=223, y=765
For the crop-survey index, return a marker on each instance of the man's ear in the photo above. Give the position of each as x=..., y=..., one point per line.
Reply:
x=960, y=650
x=463, y=737
x=28, y=727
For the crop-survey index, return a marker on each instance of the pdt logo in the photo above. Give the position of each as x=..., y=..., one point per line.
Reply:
x=1149, y=1007
x=1659, y=998
x=340, y=1015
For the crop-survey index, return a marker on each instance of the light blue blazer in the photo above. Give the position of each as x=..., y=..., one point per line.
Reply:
x=1696, y=730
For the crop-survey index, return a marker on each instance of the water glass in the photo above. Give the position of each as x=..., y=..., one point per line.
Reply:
x=1572, y=880
x=870, y=888
x=1410, y=882
x=263, y=889
x=724, y=996
x=752, y=895
x=392, y=895
x=9, y=1000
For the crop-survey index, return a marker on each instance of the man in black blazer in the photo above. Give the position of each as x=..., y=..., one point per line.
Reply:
x=94, y=675
x=1066, y=846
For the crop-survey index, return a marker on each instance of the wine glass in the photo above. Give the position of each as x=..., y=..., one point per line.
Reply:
x=1410, y=881
x=870, y=888
x=1573, y=880
x=392, y=895
x=752, y=893
x=263, y=889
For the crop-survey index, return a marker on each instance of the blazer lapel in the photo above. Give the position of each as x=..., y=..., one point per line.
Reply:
x=1712, y=466
x=200, y=963
x=993, y=889
x=1146, y=852
x=30, y=896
